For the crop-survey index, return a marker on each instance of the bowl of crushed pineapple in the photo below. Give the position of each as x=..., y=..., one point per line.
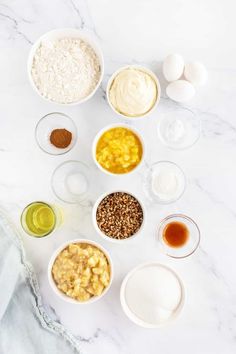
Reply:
x=118, y=149
x=80, y=271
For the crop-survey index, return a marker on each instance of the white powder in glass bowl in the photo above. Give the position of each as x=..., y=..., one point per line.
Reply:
x=167, y=181
x=76, y=183
x=65, y=70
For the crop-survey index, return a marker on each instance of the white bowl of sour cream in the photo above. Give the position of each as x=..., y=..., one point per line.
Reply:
x=133, y=91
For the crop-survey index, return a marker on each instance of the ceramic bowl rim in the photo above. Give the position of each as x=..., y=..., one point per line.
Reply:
x=144, y=69
x=74, y=32
x=94, y=218
x=108, y=127
x=52, y=260
x=131, y=315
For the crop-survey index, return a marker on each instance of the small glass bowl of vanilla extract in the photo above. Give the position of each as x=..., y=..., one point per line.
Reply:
x=178, y=235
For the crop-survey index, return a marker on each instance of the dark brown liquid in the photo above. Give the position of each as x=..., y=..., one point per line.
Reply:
x=175, y=234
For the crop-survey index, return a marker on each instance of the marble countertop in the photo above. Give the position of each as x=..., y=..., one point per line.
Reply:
x=143, y=32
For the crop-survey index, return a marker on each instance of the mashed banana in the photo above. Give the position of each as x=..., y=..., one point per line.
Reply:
x=81, y=271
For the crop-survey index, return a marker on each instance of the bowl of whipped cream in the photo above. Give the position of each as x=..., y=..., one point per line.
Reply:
x=66, y=66
x=133, y=91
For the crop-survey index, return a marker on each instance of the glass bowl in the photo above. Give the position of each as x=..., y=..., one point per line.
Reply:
x=164, y=167
x=47, y=124
x=179, y=129
x=71, y=181
x=192, y=242
x=31, y=220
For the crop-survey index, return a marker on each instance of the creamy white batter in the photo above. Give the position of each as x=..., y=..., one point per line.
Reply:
x=133, y=92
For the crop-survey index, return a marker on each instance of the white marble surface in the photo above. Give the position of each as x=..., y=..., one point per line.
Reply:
x=132, y=31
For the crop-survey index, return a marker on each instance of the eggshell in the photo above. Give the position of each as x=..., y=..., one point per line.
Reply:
x=196, y=73
x=173, y=67
x=180, y=91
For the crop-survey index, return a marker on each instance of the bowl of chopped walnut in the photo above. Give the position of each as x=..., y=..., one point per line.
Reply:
x=118, y=216
x=80, y=271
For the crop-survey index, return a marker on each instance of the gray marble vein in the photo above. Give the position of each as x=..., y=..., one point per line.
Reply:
x=132, y=32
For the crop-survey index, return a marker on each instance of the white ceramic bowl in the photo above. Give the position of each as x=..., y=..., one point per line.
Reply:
x=149, y=72
x=52, y=282
x=62, y=33
x=102, y=234
x=131, y=315
x=99, y=134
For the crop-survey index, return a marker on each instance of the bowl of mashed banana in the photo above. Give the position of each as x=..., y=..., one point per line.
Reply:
x=80, y=271
x=133, y=91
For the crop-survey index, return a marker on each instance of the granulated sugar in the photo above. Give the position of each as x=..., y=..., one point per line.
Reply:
x=65, y=70
x=153, y=294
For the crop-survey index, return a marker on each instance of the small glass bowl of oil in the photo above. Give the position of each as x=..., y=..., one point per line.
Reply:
x=178, y=235
x=39, y=219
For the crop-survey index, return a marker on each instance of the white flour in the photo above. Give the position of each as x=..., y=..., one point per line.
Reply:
x=65, y=70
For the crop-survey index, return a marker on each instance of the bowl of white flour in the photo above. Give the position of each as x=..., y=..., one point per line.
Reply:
x=66, y=66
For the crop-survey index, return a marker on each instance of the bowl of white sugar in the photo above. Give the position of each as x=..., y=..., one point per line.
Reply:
x=66, y=66
x=152, y=295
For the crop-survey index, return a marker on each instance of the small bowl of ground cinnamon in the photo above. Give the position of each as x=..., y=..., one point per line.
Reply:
x=56, y=133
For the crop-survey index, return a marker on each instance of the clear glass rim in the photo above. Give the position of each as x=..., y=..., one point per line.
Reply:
x=172, y=216
x=159, y=201
x=72, y=143
x=185, y=147
x=53, y=175
x=22, y=220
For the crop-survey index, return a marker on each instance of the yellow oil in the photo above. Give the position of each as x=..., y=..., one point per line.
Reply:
x=39, y=219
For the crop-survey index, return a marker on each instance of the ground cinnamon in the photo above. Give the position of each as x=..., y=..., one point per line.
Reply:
x=61, y=138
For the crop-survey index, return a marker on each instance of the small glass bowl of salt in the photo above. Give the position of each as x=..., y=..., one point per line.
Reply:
x=71, y=181
x=165, y=182
x=179, y=129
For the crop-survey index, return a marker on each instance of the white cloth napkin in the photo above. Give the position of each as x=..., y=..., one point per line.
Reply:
x=25, y=327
